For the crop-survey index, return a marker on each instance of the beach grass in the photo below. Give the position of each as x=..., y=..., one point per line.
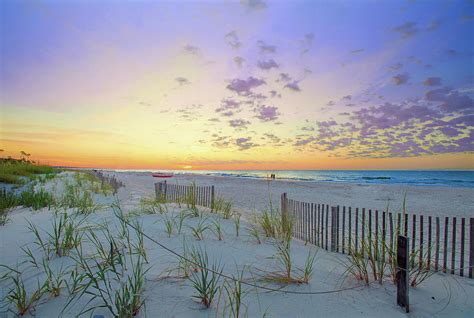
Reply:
x=12, y=170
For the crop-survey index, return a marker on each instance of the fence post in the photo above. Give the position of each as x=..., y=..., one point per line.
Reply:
x=333, y=228
x=157, y=191
x=284, y=211
x=212, y=198
x=471, y=246
x=402, y=272
x=166, y=190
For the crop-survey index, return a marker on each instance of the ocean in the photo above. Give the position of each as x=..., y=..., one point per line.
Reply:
x=464, y=179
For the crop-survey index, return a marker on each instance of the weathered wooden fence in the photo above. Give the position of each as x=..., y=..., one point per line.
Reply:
x=201, y=195
x=441, y=243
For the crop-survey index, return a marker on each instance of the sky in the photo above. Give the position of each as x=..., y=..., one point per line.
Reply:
x=247, y=84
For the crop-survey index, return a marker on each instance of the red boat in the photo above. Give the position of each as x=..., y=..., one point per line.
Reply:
x=161, y=175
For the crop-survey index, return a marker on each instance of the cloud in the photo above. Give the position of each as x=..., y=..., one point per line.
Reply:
x=293, y=86
x=232, y=39
x=452, y=52
x=451, y=100
x=244, y=86
x=395, y=67
x=182, y=81
x=330, y=103
x=274, y=139
x=228, y=104
x=268, y=113
x=220, y=141
x=190, y=113
x=432, y=81
x=239, y=123
x=357, y=51
x=347, y=97
x=400, y=79
x=245, y=143
x=254, y=4
x=274, y=93
x=284, y=77
x=304, y=141
x=239, y=61
x=465, y=18
x=191, y=49
x=266, y=48
x=267, y=65
x=406, y=30
x=306, y=43
x=434, y=25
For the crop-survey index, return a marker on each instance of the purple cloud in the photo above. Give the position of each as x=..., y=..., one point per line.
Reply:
x=232, y=40
x=266, y=48
x=400, y=79
x=228, y=104
x=451, y=100
x=254, y=4
x=396, y=66
x=182, y=81
x=268, y=113
x=244, y=87
x=406, y=30
x=191, y=49
x=284, y=77
x=274, y=93
x=238, y=60
x=432, y=81
x=239, y=123
x=245, y=143
x=267, y=65
x=293, y=86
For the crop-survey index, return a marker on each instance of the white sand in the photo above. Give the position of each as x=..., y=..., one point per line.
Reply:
x=441, y=296
x=253, y=194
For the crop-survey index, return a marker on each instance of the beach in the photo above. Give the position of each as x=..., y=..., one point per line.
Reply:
x=250, y=195
x=331, y=290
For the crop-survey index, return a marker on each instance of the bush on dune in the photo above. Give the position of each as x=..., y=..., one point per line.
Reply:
x=11, y=170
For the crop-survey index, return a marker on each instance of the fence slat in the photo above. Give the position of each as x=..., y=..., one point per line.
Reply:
x=322, y=226
x=390, y=217
x=363, y=231
x=429, y=242
x=337, y=229
x=461, y=261
x=350, y=232
x=453, y=247
x=343, y=228
x=413, y=238
x=437, y=244
x=421, y=242
x=384, y=233
x=445, y=250
x=327, y=219
x=471, y=246
x=370, y=232
x=357, y=231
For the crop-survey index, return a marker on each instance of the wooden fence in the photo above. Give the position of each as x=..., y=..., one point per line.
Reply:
x=441, y=243
x=200, y=195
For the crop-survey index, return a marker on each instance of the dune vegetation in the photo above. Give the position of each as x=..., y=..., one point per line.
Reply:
x=19, y=171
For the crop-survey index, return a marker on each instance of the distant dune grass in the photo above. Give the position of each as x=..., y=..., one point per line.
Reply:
x=11, y=170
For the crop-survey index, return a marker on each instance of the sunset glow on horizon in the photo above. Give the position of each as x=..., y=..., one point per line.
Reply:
x=260, y=85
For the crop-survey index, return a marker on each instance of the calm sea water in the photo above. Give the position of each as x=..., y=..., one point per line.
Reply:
x=408, y=177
